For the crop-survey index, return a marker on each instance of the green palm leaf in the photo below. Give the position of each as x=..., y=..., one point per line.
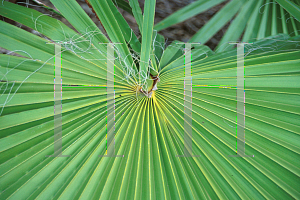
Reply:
x=254, y=18
x=149, y=132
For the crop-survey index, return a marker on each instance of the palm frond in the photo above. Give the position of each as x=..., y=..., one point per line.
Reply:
x=149, y=132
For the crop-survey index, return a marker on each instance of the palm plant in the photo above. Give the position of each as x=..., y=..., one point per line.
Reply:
x=149, y=124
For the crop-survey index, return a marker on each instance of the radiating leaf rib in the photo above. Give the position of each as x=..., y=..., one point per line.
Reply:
x=134, y=151
x=288, y=165
x=182, y=176
x=42, y=146
x=161, y=189
x=90, y=188
x=175, y=190
x=135, y=128
x=42, y=175
x=132, y=156
x=27, y=134
x=150, y=168
x=188, y=193
x=138, y=180
x=69, y=171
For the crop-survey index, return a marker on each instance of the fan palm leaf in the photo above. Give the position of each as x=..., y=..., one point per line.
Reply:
x=149, y=131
